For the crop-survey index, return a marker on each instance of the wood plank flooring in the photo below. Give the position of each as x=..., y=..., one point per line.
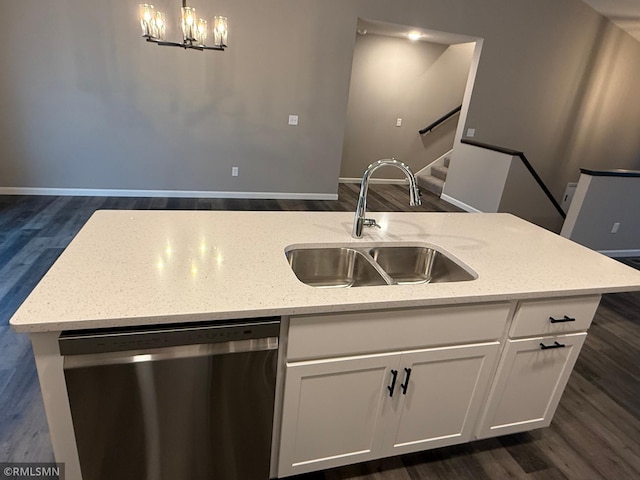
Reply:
x=595, y=433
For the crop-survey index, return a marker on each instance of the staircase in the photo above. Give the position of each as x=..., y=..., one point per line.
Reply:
x=434, y=182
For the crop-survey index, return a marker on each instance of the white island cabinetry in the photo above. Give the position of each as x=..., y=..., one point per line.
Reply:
x=534, y=371
x=343, y=404
x=376, y=384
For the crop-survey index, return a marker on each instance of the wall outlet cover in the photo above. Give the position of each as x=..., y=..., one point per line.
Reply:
x=471, y=132
x=293, y=119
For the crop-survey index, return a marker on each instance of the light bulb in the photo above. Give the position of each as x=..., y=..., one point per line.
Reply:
x=160, y=25
x=188, y=33
x=220, y=29
x=201, y=31
x=146, y=16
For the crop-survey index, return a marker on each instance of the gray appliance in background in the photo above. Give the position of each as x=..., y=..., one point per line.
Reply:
x=173, y=402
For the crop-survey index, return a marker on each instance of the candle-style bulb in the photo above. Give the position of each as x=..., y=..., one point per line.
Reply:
x=189, y=24
x=220, y=30
x=147, y=15
x=201, y=31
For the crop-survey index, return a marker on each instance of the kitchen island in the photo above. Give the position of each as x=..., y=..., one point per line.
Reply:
x=151, y=268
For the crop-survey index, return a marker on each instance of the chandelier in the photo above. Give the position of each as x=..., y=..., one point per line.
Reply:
x=194, y=30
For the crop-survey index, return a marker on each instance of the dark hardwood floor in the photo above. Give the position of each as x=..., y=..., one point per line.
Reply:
x=595, y=433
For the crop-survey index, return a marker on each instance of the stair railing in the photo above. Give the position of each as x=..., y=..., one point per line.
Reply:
x=441, y=120
x=532, y=171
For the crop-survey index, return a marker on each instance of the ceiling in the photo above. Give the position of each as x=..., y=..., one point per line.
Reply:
x=376, y=27
x=624, y=13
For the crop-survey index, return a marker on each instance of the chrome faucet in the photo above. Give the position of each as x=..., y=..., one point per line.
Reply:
x=361, y=210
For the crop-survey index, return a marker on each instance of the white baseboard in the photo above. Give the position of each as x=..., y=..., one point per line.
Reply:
x=90, y=192
x=459, y=204
x=396, y=181
x=620, y=253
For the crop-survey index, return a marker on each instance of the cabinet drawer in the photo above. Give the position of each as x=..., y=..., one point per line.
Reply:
x=334, y=335
x=560, y=315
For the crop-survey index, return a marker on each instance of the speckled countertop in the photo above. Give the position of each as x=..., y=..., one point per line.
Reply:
x=154, y=267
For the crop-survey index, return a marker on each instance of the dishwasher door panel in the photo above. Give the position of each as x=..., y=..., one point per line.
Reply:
x=206, y=417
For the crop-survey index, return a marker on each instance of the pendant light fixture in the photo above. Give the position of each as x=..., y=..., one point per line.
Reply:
x=194, y=29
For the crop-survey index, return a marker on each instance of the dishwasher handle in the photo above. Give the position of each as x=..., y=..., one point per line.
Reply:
x=134, y=339
x=170, y=353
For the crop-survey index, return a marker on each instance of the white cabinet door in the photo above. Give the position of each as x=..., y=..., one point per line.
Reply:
x=529, y=383
x=333, y=412
x=440, y=402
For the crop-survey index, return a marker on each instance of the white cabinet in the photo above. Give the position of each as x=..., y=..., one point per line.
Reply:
x=442, y=398
x=461, y=372
x=533, y=372
x=333, y=412
x=529, y=383
x=345, y=410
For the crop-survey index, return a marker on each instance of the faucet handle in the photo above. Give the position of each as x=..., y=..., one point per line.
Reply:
x=370, y=222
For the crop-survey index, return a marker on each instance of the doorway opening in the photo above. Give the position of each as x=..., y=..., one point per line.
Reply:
x=403, y=79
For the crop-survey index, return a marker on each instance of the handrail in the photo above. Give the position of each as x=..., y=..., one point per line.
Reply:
x=618, y=172
x=521, y=156
x=440, y=120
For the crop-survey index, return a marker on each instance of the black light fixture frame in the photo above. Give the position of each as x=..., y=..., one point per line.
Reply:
x=186, y=44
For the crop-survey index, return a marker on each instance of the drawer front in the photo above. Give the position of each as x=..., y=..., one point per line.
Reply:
x=346, y=334
x=560, y=315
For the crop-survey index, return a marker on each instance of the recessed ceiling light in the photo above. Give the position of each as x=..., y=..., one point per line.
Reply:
x=413, y=36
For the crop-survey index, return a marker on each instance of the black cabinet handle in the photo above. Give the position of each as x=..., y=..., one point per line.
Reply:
x=563, y=319
x=391, y=388
x=404, y=385
x=555, y=345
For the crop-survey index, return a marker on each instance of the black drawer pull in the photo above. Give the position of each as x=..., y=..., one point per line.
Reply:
x=555, y=345
x=391, y=388
x=560, y=320
x=406, y=381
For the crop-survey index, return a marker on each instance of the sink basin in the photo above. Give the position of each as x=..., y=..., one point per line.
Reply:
x=333, y=267
x=418, y=265
x=343, y=266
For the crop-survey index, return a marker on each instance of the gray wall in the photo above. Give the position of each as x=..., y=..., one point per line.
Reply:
x=86, y=103
x=598, y=203
x=395, y=78
x=488, y=181
x=523, y=197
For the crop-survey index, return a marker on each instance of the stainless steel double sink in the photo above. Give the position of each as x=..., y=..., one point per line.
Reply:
x=343, y=266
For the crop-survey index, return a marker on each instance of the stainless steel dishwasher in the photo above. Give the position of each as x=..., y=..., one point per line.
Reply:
x=173, y=402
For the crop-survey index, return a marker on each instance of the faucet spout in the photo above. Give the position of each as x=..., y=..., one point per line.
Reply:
x=359, y=222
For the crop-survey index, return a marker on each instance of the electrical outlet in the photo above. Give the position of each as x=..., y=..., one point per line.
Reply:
x=615, y=227
x=471, y=132
x=234, y=171
x=293, y=120
x=398, y=122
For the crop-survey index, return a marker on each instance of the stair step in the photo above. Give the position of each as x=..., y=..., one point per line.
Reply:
x=440, y=171
x=430, y=183
x=447, y=160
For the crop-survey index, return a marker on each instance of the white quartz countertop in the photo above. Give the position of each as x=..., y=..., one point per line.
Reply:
x=154, y=267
